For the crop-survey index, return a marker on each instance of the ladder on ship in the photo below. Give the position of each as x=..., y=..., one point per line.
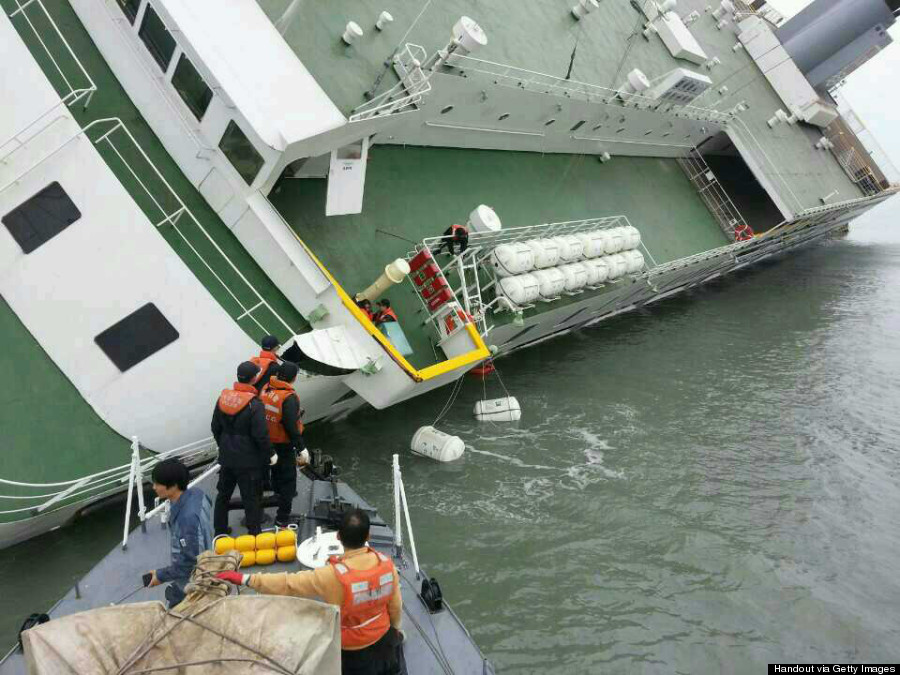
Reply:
x=714, y=196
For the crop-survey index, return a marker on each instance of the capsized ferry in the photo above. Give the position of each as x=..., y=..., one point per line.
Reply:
x=179, y=178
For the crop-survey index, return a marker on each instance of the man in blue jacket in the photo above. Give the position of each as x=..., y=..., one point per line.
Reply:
x=190, y=529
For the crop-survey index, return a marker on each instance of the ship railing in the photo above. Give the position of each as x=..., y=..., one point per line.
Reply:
x=468, y=268
x=72, y=87
x=857, y=167
x=158, y=199
x=407, y=94
x=720, y=205
x=530, y=80
x=139, y=469
x=45, y=498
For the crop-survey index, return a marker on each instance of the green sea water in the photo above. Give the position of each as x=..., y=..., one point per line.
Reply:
x=706, y=486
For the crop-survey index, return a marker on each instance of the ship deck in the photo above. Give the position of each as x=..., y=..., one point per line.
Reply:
x=540, y=36
x=418, y=192
x=435, y=642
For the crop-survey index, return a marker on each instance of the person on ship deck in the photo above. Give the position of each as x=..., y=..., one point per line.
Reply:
x=190, y=530
x=455, y=235
x=245, y=451
x=267, y=361
x=283, y=413
x=384, y=313
x=363, y=583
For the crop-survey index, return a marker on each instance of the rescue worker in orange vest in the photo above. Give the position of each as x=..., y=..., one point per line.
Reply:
x=245, y=451
x=267, y=361
x=455, y=235
x=384, y=313
x=283, y=415
x=363, y=583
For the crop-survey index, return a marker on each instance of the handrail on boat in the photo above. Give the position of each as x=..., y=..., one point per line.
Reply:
x=102, y=483
x=113, y=125
x=73, y=95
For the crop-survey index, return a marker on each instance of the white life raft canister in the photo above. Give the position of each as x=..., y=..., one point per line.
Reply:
x=498, y=410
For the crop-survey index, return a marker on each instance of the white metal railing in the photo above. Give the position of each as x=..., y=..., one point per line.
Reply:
x=48, y=497
x=531, y=80
x=136, y=474
x=400, y=504
x=113, y=128
x=714, y=196
x=76, y=87
x=468, y=265
x=854, y=164
x=406, y=95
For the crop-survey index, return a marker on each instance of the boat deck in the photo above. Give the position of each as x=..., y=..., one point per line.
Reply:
x=435, y=643
x=111, y=101
x=418, y=192
x=540, y=36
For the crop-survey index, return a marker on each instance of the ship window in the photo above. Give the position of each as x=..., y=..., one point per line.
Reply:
x=549, y=122
x=136, y=337
x=240, y=152
x=503, y=117
x=157, y=38
x=191, y=87
x=446, y=109
x=129, y=9
x=577, y=126
x=42, y=217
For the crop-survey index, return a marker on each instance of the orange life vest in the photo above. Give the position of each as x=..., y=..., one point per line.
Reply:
x=454, y=229
x=386, y=312
x=364, y=612
x=264, y=360
x=273, y=396
x=232, y=401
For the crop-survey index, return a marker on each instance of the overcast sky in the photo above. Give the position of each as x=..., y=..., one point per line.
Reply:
x=873, y=90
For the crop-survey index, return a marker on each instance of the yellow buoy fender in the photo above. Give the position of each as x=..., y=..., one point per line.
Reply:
x=248, y=559
x=264, y=541
x=286, y=553
x=265, y=557
x=246, y=542
x=224, y=544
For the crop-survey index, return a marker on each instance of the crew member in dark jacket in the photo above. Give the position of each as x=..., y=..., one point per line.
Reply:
x=283, y=415
x=267, y=361
x=190, y=530
x=245, y=451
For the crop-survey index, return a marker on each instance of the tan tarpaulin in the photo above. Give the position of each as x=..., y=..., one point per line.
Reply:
x=213, y=635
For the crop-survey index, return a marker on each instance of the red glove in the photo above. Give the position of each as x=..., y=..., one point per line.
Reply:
x=235, y=578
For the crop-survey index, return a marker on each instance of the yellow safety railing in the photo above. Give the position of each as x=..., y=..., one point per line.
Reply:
x=480, y=353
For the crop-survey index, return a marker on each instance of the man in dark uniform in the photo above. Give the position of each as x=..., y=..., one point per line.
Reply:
x=245, y=451
x=283, y=415
x=267, y=361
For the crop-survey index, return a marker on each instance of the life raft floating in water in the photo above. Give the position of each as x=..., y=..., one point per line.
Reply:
x=434, y=444
x=505, y=409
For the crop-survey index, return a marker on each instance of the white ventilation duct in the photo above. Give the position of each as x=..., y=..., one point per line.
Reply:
x=468, y=36
x=583, y=8
x=384, y=20
x=352, y=33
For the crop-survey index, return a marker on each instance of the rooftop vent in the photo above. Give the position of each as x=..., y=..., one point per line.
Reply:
x=679, y=86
